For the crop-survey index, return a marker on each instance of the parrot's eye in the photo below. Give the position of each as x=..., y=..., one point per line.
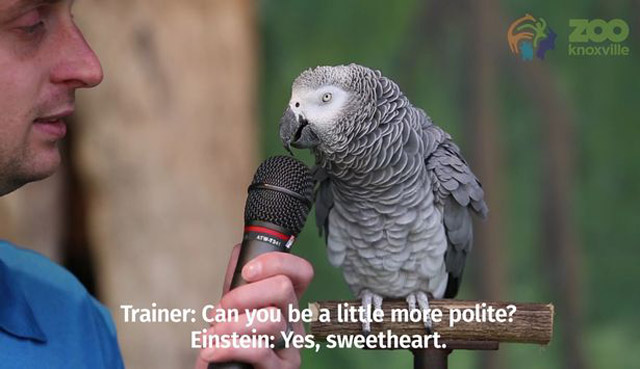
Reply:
x=326, y=97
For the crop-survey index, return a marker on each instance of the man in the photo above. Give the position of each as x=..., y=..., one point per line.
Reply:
x=47, y=319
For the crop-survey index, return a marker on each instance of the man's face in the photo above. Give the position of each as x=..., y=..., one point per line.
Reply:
x=43, y=60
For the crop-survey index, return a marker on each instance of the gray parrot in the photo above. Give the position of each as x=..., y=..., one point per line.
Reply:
x=394, y=196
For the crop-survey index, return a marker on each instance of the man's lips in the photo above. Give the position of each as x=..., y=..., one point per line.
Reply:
x=53, y=125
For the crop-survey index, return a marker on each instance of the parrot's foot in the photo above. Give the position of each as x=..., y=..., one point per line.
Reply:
x=369, y=298
x=423, y=304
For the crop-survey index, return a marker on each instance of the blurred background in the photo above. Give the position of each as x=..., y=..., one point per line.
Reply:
x=149, y=201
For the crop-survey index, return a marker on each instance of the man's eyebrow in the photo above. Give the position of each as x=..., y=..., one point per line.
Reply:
x=17, y=7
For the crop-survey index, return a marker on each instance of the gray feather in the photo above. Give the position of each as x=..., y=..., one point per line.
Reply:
x=459, y=194
x=323, y=200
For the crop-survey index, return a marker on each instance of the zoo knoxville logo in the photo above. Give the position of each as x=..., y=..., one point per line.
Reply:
x=597, y=37
x=528, y=35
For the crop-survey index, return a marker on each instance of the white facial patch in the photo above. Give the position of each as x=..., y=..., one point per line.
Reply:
x=320, y=107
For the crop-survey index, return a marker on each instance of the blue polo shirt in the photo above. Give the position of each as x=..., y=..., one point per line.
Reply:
x=47, y=318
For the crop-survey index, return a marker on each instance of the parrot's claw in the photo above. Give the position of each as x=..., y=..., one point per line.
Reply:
x=369, y=298
x=422, y=301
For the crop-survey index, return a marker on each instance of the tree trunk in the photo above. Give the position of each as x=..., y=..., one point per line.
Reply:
x=487, y=158
x=562, y=254
x=165, y=148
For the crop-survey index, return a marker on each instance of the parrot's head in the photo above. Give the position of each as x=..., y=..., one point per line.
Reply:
x=326, y=106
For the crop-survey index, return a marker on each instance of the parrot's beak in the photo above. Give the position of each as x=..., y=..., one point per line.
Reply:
x=295, y=131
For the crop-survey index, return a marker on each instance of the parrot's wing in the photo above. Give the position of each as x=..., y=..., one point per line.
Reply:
x=323, y=199
x=458, y=192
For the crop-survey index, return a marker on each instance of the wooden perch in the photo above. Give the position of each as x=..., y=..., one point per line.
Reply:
x=532, y=323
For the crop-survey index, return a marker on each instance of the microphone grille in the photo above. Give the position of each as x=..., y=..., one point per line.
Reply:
x=269, y=199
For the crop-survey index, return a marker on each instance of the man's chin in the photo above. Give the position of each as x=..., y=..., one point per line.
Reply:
x=46, y=165
x=8, y=185
x=39, y=167
x=36, y=163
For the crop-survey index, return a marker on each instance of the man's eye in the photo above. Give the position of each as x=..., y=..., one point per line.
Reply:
x=33, y=29
x=32, y=23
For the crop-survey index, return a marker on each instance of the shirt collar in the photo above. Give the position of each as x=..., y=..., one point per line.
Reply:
x=16, y=316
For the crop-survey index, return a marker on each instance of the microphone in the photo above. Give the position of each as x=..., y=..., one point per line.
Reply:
x=279, y=200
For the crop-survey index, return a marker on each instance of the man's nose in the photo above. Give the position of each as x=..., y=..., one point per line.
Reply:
x=78, y=66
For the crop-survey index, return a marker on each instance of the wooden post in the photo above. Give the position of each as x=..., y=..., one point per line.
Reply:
x=531, y=323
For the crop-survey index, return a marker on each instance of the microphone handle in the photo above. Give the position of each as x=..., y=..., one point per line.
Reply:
x=259, y=238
